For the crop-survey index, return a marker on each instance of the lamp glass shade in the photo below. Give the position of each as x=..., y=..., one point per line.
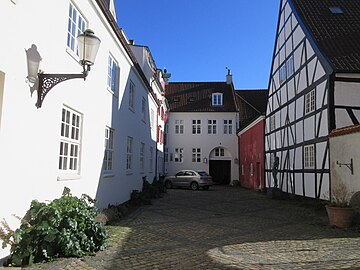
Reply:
x=88, y=46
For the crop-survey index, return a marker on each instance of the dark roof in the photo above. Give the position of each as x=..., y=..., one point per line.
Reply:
x=196, y=96
x=251, y=104
x=345, y=131
x=337, y=35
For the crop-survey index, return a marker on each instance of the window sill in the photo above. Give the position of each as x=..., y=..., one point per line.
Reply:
x=108, y=175
x=132, y=109
x=129, y=172
x=72, y=54
x=67, y=177
x=111, y=92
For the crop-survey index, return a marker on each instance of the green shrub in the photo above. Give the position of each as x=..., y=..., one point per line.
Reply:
x=65, y=227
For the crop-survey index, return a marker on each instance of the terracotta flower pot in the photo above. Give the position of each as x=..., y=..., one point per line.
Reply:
x=340, y=216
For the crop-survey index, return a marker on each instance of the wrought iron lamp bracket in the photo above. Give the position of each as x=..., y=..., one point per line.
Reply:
x=48, y=81
x=350, y=165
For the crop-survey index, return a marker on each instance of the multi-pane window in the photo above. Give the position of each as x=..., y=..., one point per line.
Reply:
x=152, y=118
x=272, y=122
x=211, y=126
x=196, y=126
x=219, y=152
x=178, y=156
x=108, y=163
x=179, y=126
x=217, y=99
x=166, y=154
x=143, y=109
x=310, y=102
x=309, y=157
x=196, y=155
x=228, y=129
x=132, y=96
x=76, y=26
x=129, y=154
x=251, y=169
x=70, y=142
x=142, y=153
x=286, y=70
x=112, y=82
x=151, y=153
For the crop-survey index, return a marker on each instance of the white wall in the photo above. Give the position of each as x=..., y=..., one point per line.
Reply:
x=206, y=142
x=29, y=137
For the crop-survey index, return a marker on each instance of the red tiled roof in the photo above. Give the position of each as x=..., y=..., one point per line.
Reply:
x=344, y=131
x=196, y=96
x=337, y=35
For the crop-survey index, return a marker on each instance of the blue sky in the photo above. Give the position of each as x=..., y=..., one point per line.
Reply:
x=197, y=39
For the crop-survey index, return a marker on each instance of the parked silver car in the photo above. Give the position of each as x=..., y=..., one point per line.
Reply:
x=189, y=178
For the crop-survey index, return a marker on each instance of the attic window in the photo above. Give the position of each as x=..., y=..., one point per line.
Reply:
x=176, y=99
x=191, y=99
x=217, y=99
x=336, y=10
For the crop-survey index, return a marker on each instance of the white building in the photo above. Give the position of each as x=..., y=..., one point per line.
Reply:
x=314, y=88
x=201, y=131
x=97, y=136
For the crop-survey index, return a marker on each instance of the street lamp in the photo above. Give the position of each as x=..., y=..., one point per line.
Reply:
x=88, y=46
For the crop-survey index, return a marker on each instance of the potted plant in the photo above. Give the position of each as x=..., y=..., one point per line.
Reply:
x=339, y=211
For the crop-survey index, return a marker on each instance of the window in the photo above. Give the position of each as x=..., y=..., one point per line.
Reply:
x=70, y=142
x=272, y=122
x=178, y=157
x=310, y=102
x=196, y=126
x=179, y=126
x=227, y=126
x=251, y=169
x=129, y=154
x=309, y=157
x=108, y=163
x=142, y=153
x=196, y=155
x=217, y=99
x=211, y=126
x=151, y=152
x=336, y=10
x=76, y=26
x=286, y=70
x=112, y=82
x=143, y=109
x=166, y=154
x=219, y=152
x=132, y=96
x=242, y=169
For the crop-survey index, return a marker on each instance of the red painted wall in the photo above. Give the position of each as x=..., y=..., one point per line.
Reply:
x=252, y=151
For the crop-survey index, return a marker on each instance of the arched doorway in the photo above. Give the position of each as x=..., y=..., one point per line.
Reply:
x=220, y=165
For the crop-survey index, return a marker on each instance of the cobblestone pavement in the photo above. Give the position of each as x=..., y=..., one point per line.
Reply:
x=223, y=228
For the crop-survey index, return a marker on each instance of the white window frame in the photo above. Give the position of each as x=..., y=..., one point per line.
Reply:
x=309, y=156
x=217, y=99
x=113, y=75
x=196, y=155
x=310, y=102
x=282, y=73
x=228, y=126
x=151, y=158
x=108, y=162
x=132, y=92
x=129, y=154
x=212, y=126
x=152, y=118
x=290, y=67
x=70, y=142
x=179, y=126
x=179, y=155
x=219, y=152
x=142, y=156
x=76, y=26
x=143, y=110
x=196, y=126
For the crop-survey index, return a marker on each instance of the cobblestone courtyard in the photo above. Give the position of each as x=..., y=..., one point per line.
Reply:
x=223, y=228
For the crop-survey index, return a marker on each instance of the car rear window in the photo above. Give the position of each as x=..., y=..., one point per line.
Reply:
x=202, y=173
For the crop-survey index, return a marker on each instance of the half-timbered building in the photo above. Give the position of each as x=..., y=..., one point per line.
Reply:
x=314, y=88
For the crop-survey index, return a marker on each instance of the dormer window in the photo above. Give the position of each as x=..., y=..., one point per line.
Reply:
x=217, y=99
x=336, y=10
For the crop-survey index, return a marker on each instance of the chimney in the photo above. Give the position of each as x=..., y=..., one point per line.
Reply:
x=228, y=77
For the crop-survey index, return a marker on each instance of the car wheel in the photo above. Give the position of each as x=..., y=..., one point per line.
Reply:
x=194, y=186
x=206, y=187
x=168, y=184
